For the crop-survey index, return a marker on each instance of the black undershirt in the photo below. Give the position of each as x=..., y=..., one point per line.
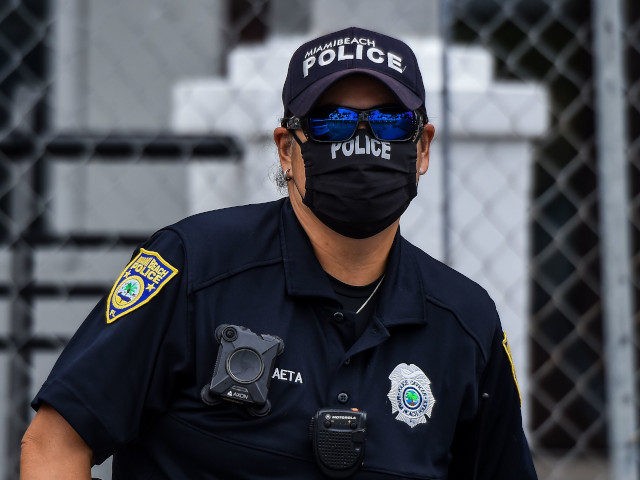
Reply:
x=352, y=297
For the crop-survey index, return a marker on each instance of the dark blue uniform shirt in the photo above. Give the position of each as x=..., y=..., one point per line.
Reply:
x=131, y=387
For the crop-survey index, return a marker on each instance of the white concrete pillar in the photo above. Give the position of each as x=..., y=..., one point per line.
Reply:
x=115, y=62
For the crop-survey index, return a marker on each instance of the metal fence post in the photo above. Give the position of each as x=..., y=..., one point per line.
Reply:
x=21, y=308
x=615, y=238
x=445, y=136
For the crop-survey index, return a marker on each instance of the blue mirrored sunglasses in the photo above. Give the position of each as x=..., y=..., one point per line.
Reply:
x=339, y=124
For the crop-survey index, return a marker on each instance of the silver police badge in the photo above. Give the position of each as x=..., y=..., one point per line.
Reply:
x=411, y=395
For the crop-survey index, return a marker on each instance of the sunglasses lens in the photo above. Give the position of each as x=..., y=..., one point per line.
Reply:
x=393, y=124
x=336, y=124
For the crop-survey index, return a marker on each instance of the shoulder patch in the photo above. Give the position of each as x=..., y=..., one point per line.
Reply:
x=507, y=349
x=139, y=282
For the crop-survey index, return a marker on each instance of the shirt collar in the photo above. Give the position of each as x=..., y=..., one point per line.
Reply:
x=304, y=275
x=401, y=297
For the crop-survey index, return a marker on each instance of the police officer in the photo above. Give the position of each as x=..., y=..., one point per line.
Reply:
x=369, y=323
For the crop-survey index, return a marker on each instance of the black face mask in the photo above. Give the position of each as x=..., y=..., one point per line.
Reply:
x=361, y=186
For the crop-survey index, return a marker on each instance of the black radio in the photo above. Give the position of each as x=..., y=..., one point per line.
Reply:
x=338, y=437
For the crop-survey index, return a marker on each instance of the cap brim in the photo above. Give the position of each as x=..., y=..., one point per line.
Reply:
x=300, y=105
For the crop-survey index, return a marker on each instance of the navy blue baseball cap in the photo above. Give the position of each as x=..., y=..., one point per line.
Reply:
x=319, y=63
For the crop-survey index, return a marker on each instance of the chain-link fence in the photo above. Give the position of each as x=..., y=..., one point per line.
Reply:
x=554, y=43
x=117, y=118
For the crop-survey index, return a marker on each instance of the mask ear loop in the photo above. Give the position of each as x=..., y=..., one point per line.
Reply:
x=295, y=137
x=287, y=173
x=288, y=177
x=295, y=184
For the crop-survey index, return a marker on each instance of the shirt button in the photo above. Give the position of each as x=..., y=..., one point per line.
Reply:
x=347, y=361
x=343, y=397
x=338, y=317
